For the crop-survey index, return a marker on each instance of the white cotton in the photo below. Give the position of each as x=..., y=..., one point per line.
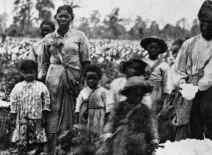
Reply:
x=4, y=104
x=186, y=147
x=188, y=91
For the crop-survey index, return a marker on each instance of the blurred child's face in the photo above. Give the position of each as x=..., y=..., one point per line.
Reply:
x=46, y=29
x=28, y=75
x=92, y=79
x=134, y=95
x=132, y=70
x=175, y=49
x=153, y=50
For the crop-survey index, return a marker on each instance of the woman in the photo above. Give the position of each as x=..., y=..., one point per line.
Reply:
x=65, y=56
x=157, y=72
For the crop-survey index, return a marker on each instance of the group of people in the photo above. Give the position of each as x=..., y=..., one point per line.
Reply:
x=61, y=92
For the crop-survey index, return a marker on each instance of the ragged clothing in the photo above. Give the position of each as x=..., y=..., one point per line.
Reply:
x=62, y=60
x=131, y=125
x=194, y=65
x=28, y=101
x=189, y=63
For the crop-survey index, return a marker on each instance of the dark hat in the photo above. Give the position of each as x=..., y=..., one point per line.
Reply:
x=205, y=11
x=145, y=42
x=137, y=82
x=134, y=59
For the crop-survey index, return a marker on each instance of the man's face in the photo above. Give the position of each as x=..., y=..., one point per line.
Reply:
x=206, y=28
x=45, y=29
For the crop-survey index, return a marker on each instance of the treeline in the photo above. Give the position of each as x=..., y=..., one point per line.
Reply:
x=112, y=27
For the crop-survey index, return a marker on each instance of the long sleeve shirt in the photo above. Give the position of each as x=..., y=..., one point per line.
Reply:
x=193, y=55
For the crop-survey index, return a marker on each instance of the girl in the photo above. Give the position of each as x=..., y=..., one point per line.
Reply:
x=96, y=105
x=29, y=103
x=131, y=126
x=157, y=72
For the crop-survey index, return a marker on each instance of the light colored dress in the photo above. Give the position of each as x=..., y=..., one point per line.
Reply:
x=29, y=100
x=96, y=109
x=62, y=68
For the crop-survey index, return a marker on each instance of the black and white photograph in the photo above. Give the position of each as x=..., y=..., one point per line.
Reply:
x=105, y=77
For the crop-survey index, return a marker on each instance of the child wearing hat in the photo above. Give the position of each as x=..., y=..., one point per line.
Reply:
x=132, y=67
x=157, y=72
x=131, y=126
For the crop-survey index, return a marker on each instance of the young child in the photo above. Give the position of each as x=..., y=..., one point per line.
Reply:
x=29, y=104
x=131, y=126
x=96, y=107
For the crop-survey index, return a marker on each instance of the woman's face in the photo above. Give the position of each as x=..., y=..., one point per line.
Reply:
x=153, y=50
x=46, y=29
x=63, y=19
x=92, y=79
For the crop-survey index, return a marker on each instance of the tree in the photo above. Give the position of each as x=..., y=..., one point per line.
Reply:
x=84, y=26
x=44, y=8
x=137, y=31
x=23, y=14
x=195, y=29
x=114, y=29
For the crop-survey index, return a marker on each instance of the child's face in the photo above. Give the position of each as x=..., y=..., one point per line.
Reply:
x=46, y=29
x=132, y=70
x=92, y=79
x=28, y=75
x=153, y=50
x=134, y=95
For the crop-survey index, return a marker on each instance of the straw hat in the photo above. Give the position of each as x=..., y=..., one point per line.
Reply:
x=145, y=42
x=139, y=82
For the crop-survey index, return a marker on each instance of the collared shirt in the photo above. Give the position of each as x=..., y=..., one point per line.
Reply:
x=29, y=99
x=72, y=53
x=193, y=55
x=97, y=98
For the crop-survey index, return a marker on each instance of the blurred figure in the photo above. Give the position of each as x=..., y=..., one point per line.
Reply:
x=46, y=27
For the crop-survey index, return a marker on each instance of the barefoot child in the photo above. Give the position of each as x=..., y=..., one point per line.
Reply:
x=95, y=97
x=29, y=103
x=131, y=126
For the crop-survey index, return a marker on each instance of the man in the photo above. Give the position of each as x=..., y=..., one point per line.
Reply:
x=194, y=65
x=46, y=27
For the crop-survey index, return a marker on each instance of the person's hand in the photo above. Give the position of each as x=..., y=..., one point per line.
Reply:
x=105, y=137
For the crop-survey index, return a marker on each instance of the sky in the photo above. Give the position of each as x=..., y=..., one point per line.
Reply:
x=162, y=11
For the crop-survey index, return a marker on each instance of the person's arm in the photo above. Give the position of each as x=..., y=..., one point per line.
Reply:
x=45, y=62
x=77, y=108
x=14, y=105
x=180, y=64
x=85, y=59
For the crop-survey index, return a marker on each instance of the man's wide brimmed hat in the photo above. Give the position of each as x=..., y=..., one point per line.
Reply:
x=134, y=59
x=162, y=44
x=205, y=11
x=137, y=82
